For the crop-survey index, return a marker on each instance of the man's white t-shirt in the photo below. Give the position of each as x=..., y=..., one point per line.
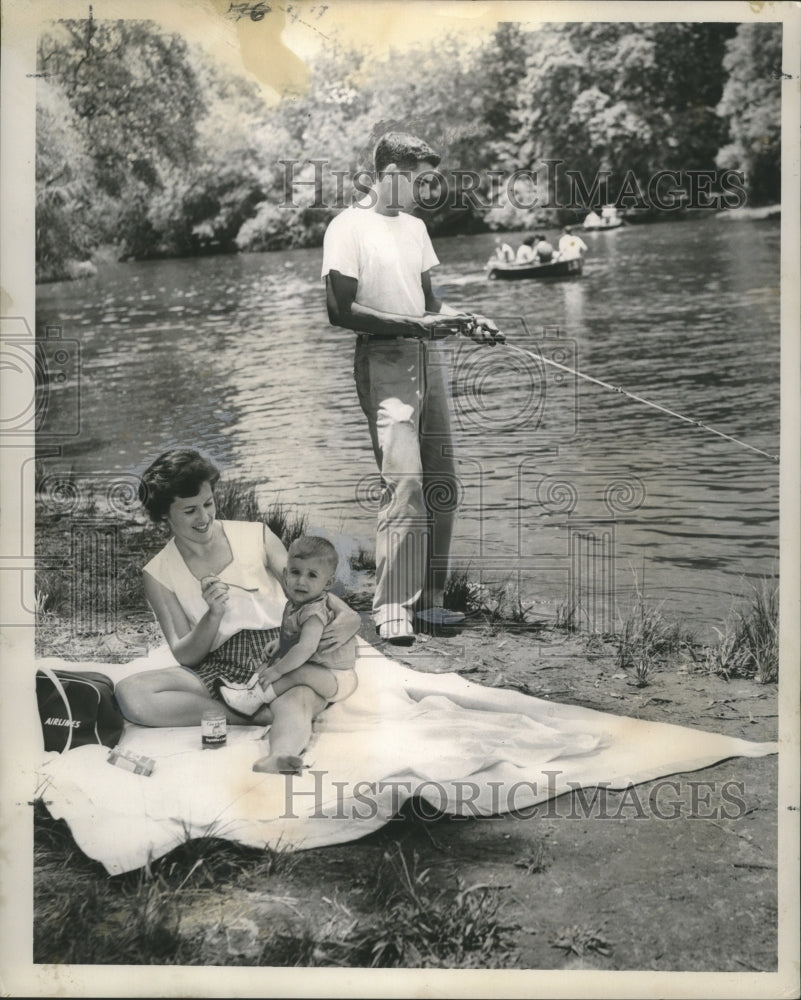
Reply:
x=385, y=253
x=571, y=246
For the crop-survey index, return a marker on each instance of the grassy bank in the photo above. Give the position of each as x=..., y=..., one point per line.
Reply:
x=425, y=893
x=90, y=601
x=407, y=918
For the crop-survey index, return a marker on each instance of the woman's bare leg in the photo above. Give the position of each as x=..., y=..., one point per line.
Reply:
x=289, y=735
x=174, y=697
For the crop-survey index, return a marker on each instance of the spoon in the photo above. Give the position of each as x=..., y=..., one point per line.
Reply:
x=249, y=590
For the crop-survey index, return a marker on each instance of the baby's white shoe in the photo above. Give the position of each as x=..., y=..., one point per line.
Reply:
x=244, y=698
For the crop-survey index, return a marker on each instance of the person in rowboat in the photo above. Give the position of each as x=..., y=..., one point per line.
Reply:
x=543, y=250
x=570, y=245
x=377, y=261
x=503, y=251
x=525, y=252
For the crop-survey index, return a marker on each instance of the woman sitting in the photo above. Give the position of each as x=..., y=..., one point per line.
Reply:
x=215, y=589
x=503, y=251
x=525, y=252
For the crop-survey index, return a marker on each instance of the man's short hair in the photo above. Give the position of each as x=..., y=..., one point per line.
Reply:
x=404, y=150
x=314, y=547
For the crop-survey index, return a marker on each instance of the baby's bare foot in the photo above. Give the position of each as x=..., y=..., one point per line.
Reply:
x=279, y=763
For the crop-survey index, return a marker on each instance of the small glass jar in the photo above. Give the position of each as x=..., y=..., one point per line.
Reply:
x=213, y=729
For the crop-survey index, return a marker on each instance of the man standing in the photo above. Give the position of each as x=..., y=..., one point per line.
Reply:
x=377, y=259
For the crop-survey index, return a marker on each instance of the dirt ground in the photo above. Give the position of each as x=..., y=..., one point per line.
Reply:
x=619, y=889
x=671, y=894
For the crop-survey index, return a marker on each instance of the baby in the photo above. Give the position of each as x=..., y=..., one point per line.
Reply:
x=308, y=654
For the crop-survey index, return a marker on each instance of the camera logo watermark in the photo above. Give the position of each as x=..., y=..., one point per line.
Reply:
x=39, y=406
x=40, y=383
x=95, y=505
x=531, y=392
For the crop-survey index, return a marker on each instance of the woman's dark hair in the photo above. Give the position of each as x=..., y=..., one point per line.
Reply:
x=177, y=473
x=529, y=241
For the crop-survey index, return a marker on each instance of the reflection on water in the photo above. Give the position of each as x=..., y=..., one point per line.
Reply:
x=561, y=478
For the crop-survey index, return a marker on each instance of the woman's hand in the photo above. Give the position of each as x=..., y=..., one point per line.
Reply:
x=215, y=594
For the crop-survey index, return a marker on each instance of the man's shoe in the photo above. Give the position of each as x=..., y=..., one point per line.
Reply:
x=440, y=616
x=398, y=632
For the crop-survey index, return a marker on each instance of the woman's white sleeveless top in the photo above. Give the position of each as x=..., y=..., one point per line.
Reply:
x=260, y=609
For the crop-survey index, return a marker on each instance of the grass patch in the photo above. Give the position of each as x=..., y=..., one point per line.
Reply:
x=578, y=941
x=499, y=603
x=285, y=522
x=647, y=638
x=84, y=916
x=749, y=640
x=206, y=862
x=236, y=501
x=424, y=927
x=460, y=593
x=363, y=560
x=568, y=617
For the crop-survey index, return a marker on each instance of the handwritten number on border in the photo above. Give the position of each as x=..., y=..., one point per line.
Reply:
x=256, y=11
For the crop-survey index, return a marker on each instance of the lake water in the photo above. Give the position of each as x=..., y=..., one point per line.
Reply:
x=569, y=490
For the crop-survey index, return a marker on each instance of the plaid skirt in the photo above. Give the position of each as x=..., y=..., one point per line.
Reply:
x=237, y=658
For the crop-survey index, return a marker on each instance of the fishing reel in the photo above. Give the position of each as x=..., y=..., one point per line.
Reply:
x=479, y=329
x=482, y=331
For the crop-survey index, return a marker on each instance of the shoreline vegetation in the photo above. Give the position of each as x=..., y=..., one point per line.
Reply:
x=149, y=149
x=80, y=613
x=427, y=892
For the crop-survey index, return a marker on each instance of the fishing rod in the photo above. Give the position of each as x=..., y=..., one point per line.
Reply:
x=632, y=395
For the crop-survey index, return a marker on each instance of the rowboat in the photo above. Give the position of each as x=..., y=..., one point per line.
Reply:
x=497, y=269
x=608, y=219
x=602, y=226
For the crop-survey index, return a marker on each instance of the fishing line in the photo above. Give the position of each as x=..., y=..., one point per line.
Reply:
x=639, y=399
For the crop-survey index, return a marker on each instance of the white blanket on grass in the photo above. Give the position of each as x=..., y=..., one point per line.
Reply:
x=463, y=748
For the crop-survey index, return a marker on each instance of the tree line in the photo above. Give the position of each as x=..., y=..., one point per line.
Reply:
x=147, y=148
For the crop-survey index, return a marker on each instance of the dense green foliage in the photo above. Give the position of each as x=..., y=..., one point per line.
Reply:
x=147, y=147
x=753, y=65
